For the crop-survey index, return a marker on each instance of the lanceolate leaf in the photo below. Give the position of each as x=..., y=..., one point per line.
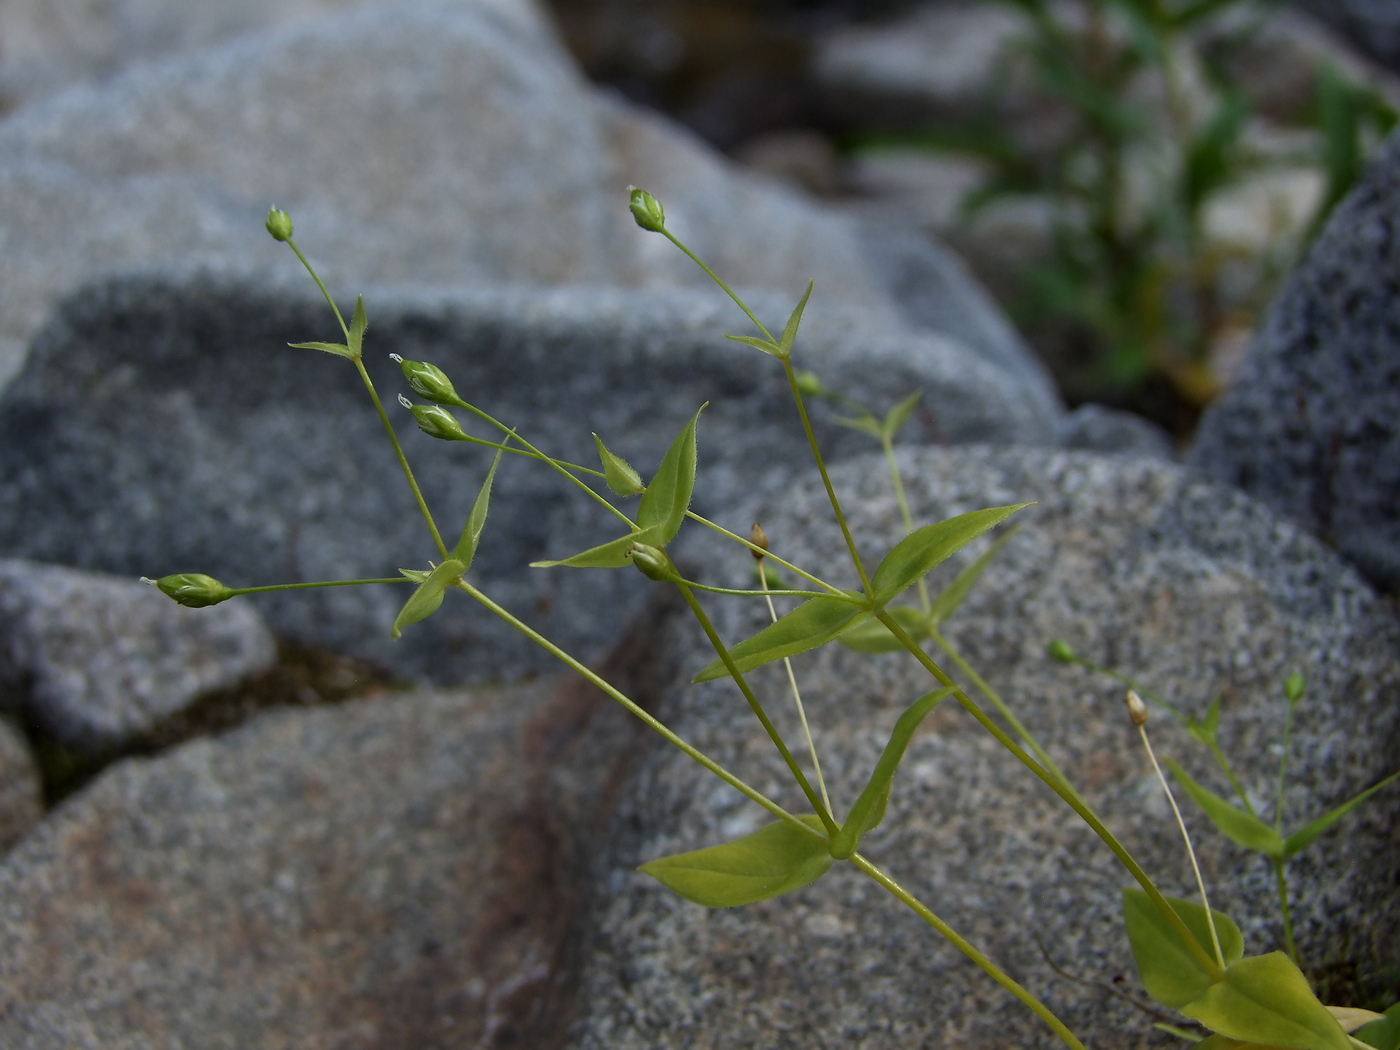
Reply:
x=1383, y=1034
x=794, y=319
x=757, y=344
x=899, y=415
x=865, y=424
x=869, y=809
x=358, y=324
x=611, y=555
x=947, y=603
x=775, y=859
x=339, y=349
x=815, y=622
x=1170, y=970
x=476, y=520
x=1304, y=835
x=924, y=548
x=1266, y=999
x=872, y=636
x=1243, y=828
x=617, y=472
x=424, y=601
x=667, y=498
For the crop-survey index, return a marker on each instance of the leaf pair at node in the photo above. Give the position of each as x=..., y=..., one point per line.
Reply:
x=884, y=430
x=782, y=349
x=352, y=350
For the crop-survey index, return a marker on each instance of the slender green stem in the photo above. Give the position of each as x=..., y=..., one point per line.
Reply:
x=403, y=460
x=1229, y=771
x=1003, y=709
x=826, y=478
x=796, y=693
x=650, y=721
x=1283, y=766
x=887, y=444
x=768, y=727
x=318, y=583
x=716, y=278
x=1284, y=910
x=317, y=278
x=986, y=965
x=1087, y=814
x=760, y=594
x=835, y=591
x=557, y=465
x=529, y=455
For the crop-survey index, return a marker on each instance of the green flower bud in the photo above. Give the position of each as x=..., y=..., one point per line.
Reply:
x=647, y=210
x=1293, y=687
x=279, y=224
x=808, y=383
x=1059, y=650
x=192, y=589
x=435, y=421
x=428, y=381
x=654, y=562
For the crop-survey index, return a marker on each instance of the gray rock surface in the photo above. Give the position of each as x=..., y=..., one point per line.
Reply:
x=1184, y=583
x=1373, y=25
x=1098, y=428
x=1311, y=423
x=95, y=659
x=162, y=426
x=21, y=793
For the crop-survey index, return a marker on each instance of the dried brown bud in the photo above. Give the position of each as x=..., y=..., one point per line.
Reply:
x=759, y=539
x=1137, y=710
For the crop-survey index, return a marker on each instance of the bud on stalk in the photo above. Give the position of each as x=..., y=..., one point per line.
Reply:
x=279, y=224
x=192, y=589
x=647, y=210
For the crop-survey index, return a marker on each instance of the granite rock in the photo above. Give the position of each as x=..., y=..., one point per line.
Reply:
x=163, y=426
x=1311, y=423
x=1373, y=25
x=94, y=660
x=1098, y=428
x=1184, y=583
x=21, y=793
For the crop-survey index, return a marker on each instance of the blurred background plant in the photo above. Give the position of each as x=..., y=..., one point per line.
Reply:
x=1132, y=178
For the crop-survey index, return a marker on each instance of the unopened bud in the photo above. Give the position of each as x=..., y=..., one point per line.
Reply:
x=1137, y=710
x=428, y=381
x=436, y=421
x=1059, y=650
x=759, y=539
x=279, y=224
x=654, y=562
x=807, y=383
x=647, y=210
x=1293, y=687
x=192, y=589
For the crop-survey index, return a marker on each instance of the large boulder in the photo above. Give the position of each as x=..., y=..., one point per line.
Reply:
x=1183, y=583
x=93, y=660
x=162, y=425
x=1311, y=425
x=21, y=791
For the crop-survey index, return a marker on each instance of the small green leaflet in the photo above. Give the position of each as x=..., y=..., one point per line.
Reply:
x=339, y=349
x=947, y=603
x=1383, y=1034
x=476, y=521
x=1304, y=835
x=1205, y=729
x=899, y=415
x=1240, y=827
x=869, y=809
x=775, y=859
x=917, y=554
x=358, y=324
x=667, y=498
x=1266, y=998
x=1170, y=970
x=815, y=622
x=757, y=344
x=621, y=477
x=425, y=600
x=794, y=319
x=611, y=555
x=872, y=636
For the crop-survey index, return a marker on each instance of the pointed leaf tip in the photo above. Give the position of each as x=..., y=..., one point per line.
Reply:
x=815, y=622
x=358, y=324
x=667, y=498
x=773, y=860
x=923, y=549
x=793, y=321
x=428, y=596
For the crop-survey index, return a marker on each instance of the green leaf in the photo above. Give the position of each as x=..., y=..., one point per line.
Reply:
x=1221, y=1042
x=795, y=319
x=1242, y=828
x=1385, y=1034
x=667, y=498
x=339, y=349
x=611, y=555
x=358, y=324
x=424, y=601
x=416, y=575
x=1170, y=970
x=621, y=477
x=815, y=622
x=1353, y=1018
x=1300, y=838
x=757, y=344
x=869, y=809
x=916, y=554
x=866, y=424
x=476, y=520
x=774, y=859
x=872, y=636
x=947, y=603
x=899, y=415
x=1266, y=998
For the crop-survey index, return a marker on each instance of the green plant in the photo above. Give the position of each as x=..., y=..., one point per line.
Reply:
x=800, y=847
